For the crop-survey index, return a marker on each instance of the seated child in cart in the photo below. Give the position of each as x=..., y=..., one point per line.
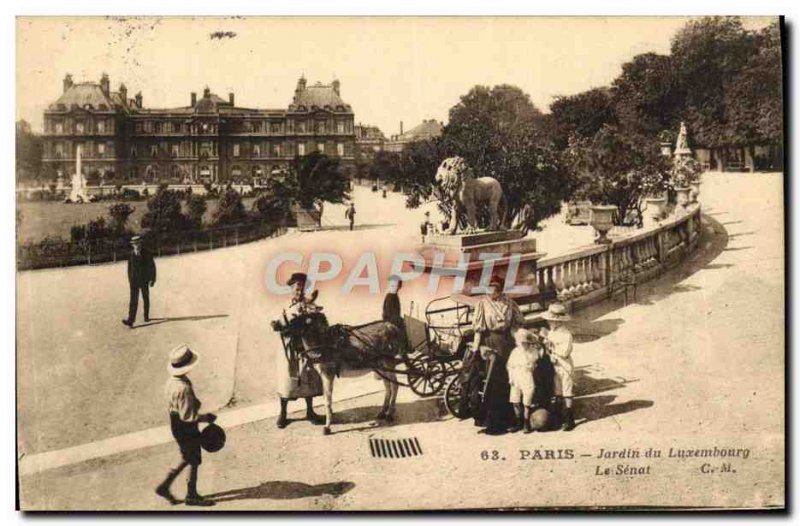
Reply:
x=520, y=367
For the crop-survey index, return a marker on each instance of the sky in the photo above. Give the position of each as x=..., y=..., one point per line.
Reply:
x=390, y=69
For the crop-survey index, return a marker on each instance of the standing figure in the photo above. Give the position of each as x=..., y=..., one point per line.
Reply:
x=426, y=226
x=184, y=417
x=391, y=303
x=494, y=319
x=296, y=375
x=141, y=276
x=520, y=367
x=559, y=341
x=350, y=214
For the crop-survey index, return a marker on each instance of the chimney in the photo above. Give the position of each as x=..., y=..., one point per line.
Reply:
x=336, y=85
x=230, y=98
x=301, y=83
x=67, y=82
x=138, y=98
x=194, y=99
x=206, y=92
x=401, y=127
x=104, y=84
x=123, y=94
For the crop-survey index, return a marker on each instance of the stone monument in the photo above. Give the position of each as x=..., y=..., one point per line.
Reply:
x=509, y=250
x=78, y=194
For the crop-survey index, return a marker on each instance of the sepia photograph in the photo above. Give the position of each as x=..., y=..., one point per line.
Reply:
x=400, y=263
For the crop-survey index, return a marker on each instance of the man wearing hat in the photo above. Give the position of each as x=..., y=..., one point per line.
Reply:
x=296, y=378
x=141, y=276
x=559, y=342
x=184, y=417
x=350, y=214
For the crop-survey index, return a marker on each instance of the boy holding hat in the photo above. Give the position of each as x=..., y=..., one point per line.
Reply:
x=559, y=342
x=141, y=276
x=184, y=417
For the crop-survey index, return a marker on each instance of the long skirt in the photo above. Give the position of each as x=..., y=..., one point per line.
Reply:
x=496, y=413
x=296, y=377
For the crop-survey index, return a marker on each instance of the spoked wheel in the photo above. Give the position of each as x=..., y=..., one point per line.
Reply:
x=452, y=396
x=425, y=376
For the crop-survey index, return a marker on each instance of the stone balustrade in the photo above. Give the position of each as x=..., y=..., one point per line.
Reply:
x=597, y=272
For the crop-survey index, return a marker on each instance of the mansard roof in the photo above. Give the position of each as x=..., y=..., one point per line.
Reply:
x=87, y=95
x=318, y=96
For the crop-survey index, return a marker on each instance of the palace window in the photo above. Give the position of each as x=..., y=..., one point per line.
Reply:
x=340, y=149
x=59, y=150
x=153, y=150
x=276, y=127
x=301, y=127
x=133, y=151
x=340, y=126
x=257, y=127
x=101, y=126
x=101, y=150
x=79, y=127
x=301, y=149
x=148, y=126
x=176, y=150
x=236, y=150
x=276, y=150
x=256, y=150
x=320, y=127
x=59, y=127
x=321, y=147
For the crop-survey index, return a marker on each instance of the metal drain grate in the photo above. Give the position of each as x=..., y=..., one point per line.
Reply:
x=399, y=448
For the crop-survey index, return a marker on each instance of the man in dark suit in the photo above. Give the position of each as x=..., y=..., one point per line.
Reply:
x=141, y=276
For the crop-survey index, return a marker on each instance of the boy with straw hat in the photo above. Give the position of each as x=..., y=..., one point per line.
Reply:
x=183, y=408
x=559, y=343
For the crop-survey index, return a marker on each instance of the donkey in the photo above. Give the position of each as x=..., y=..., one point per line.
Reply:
x=378, y=346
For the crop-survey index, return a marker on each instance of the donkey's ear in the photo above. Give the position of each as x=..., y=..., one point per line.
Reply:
x=314, y=295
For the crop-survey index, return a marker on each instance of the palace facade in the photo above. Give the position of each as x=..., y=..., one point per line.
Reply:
x=211, y=140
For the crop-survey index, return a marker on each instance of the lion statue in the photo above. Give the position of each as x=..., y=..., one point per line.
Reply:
x=467, y=193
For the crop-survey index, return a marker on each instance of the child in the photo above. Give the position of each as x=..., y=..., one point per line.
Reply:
x=520, y=375
x=559, y=342
x=184, y=414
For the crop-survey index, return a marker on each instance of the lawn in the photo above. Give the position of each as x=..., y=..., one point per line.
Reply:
x=53, y=218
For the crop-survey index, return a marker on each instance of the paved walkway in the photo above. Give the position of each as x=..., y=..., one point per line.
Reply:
x=697, y=361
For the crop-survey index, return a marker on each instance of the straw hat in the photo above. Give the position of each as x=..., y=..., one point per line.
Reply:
x=181, y=360
x=136, y=240
x=524, y=336
x=556, y=312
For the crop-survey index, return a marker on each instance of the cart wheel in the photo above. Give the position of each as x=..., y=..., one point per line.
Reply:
x=425, y=376
x=452, y=397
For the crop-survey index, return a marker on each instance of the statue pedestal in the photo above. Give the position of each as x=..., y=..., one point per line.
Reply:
x=444, y=253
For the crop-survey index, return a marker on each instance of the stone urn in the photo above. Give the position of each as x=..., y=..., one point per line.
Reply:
x=695, y=191
x=682, y=195
x=602, y=219
x=656, y=207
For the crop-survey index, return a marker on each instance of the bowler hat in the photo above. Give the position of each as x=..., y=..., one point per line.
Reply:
x=181, y=360
x=212, y=438
x=297, y=277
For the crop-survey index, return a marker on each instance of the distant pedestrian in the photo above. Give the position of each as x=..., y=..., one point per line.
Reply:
x=426, y=227
x=141, y=276
x=184, y=417
x=350, y=214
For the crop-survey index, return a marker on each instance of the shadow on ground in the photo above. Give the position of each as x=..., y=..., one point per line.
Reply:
x=283, y=490
x=588, y=382
x=157, y=321
x=598, y=407
x=334, y=228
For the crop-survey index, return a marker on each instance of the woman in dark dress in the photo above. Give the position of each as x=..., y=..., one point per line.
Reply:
x=494, y=319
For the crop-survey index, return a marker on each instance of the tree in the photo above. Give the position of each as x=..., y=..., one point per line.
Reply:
x=581, y=115
x=197, y=207
x=708, y=54
x=273, y=203
x=495, y=131
x=385, y=167
x=119, y=213
x=618, y=168
x=645, y=96
x=29, y=149
x=164, y=212
x=417, y=165
x=230, y=210
x=315, y=179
